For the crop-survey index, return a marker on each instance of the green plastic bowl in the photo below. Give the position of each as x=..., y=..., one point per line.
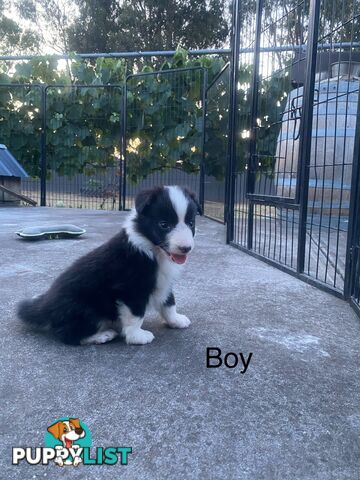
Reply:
x=50, y=232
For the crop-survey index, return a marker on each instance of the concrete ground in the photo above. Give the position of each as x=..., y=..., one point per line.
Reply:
x=294, y=414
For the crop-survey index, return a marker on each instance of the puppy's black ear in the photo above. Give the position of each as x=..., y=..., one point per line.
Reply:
x=195, y=200
x=145, y=198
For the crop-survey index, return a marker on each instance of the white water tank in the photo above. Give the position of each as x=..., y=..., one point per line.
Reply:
x=333, y=133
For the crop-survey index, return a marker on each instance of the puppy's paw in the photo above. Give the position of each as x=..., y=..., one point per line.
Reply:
x=178, y=321
x=100, y=337
x=138, y=337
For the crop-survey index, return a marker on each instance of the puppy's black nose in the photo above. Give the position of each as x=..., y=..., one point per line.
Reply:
x=184, y=249
x=79, y=430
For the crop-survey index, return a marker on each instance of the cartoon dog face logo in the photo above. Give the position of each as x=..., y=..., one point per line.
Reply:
x=67, y=432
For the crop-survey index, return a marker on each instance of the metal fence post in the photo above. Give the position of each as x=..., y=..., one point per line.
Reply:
x=202, y=161
x=250, y=180
x=306, y=124
x=353, y=236
x=43, y=163
x=231, y=162
x=123, y=150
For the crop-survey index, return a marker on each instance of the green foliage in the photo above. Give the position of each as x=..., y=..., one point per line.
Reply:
x=138, y=25
x=20, y=124
x=217, y=127
x=165, y=122
x=271, y=104
x=83, y=116
x=164, y=115
x=272, y=97
x=82, y=135
x=14, y=38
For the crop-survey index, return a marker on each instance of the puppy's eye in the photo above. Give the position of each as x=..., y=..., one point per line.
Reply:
x=191, y=223
x=164, y=225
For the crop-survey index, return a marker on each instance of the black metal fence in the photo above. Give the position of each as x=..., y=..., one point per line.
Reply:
x=216, y=145
x=271, y=145
x=82, y=145
x=294, y=112
x=21, y=122
x=164, y=118
x=68, y=139
x=96, y=146
x=352, y=267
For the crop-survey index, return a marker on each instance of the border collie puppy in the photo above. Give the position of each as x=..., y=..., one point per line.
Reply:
x=107, y=291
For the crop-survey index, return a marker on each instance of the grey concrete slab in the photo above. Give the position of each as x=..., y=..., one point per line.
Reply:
x=293, y=415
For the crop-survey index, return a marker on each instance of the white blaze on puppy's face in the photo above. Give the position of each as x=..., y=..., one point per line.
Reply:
x=179, y=201
x=181, y=240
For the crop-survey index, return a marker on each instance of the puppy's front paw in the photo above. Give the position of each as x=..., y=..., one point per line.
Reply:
x=178, y=321
x=138, y=337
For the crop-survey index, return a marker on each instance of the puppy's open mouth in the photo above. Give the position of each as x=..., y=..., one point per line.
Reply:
x=175, y=257
x=179, y=259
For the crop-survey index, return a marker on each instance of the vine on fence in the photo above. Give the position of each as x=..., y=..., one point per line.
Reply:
x=83, y=119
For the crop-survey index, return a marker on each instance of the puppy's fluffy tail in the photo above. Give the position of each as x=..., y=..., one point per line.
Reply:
x=30, y=312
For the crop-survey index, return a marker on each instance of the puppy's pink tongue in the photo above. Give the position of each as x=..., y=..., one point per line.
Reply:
x=180, y=259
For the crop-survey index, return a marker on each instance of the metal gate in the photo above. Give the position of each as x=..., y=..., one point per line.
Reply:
x=68, y=139
x=352, y=285
x=293, y=114
x=163, y=131
x=81, y=159
x=95, y=146
x=216, y=145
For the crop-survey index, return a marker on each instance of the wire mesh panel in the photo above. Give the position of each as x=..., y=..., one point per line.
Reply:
x=83, y=138
x=275, y=234
x=281, y=62
x=352, y=269
x=353, y=258
x=164, y=130
x=292, y=204
x=274, y=168
x=20, y=131
x=243, y=119
x=355, y=294
x=335, y=115
x=216, y=145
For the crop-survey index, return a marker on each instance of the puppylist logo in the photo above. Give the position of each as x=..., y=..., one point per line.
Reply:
x=68, y=443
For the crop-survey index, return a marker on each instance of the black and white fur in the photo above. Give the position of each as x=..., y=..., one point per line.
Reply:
x=107, y=292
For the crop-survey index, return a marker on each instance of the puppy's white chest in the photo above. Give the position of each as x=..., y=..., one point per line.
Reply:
x=167, y=274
